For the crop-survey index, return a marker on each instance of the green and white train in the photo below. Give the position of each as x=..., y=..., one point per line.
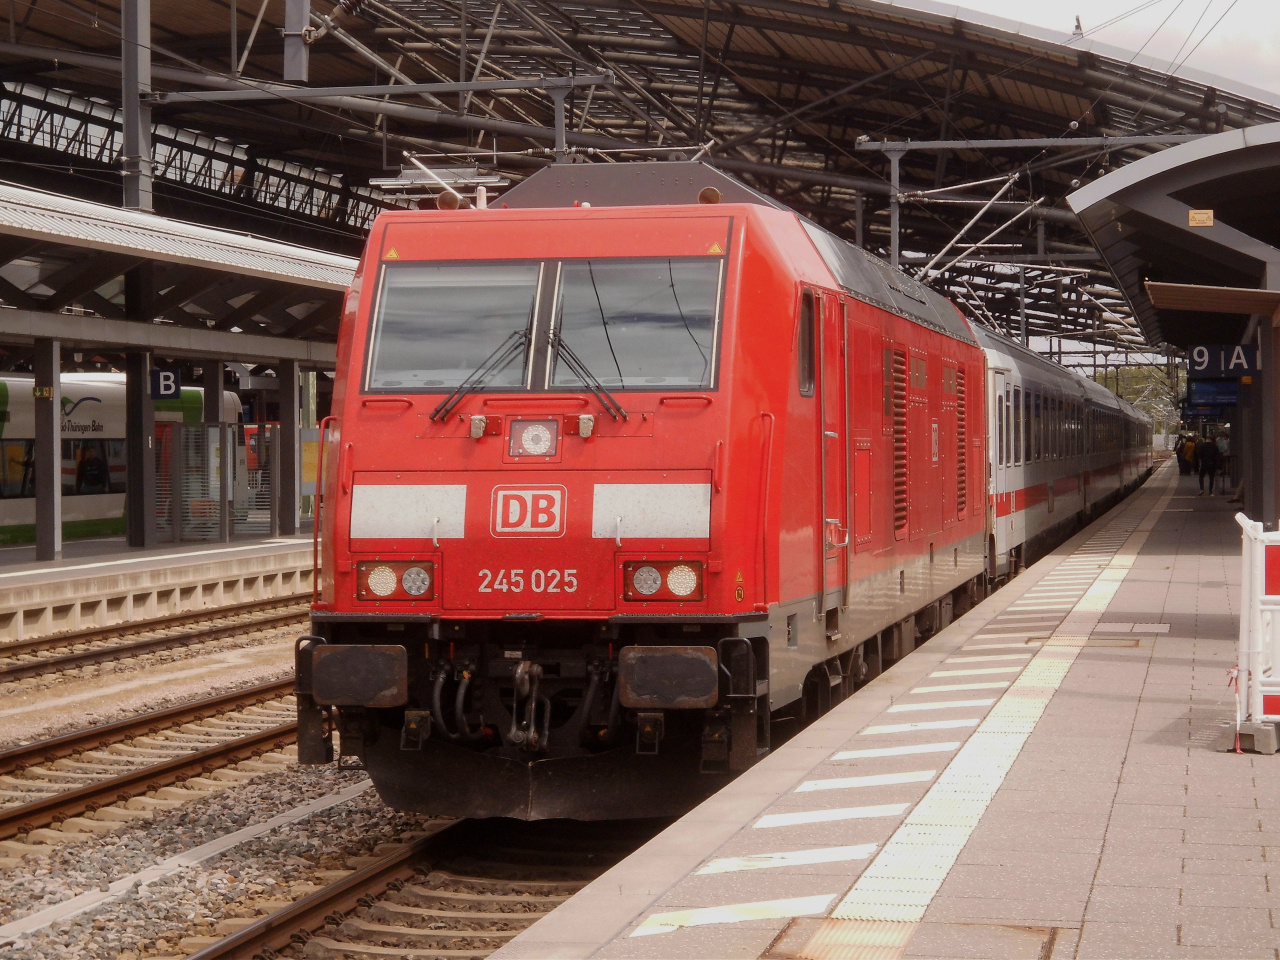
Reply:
x=93, y=452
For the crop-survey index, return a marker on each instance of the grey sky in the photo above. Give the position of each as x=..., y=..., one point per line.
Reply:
x=1244, y=45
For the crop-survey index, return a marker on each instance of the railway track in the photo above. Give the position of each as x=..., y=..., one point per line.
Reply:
x=458, y=894
x=24, y=659
x=60, y=780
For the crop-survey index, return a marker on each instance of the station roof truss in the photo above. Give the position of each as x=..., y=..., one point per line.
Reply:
x=188, y=290
x=1191, y=235
x=810, y=101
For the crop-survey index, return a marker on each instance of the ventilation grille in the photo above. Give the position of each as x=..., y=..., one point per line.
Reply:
x=962, y=449
x=899, y=441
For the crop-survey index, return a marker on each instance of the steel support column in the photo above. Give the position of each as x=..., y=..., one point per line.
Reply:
x=290, y=441
x=895, y=158
x=48, y=453
x=135, y=50
x=213, y=389
x=212, y=381
x=140, y=454
x=297, y=17
x=1269, y=487
x=1022, y=305
x=1246, y=445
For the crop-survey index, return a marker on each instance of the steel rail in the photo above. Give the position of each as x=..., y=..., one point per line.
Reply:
x=68, y=745
x=55, y=664
x=54, y=641
x=70, y=803
x=277, y=930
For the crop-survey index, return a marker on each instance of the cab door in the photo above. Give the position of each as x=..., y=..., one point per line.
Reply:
x=833, y=353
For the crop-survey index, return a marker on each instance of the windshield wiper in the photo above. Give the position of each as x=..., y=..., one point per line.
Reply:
x=583, y=373
x=478, y=378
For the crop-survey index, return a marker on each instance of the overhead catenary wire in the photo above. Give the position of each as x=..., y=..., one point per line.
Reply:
x=1009, y=182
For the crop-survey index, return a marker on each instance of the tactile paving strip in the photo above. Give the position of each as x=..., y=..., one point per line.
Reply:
x=876, y=918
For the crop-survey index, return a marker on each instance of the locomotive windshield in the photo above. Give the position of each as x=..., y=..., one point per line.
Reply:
x=639, y=323
x=438, y=322
x=632, y=323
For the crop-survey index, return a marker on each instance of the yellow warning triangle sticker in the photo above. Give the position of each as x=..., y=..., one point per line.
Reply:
x=716, y=248
x=391, y=255
x=738, y=579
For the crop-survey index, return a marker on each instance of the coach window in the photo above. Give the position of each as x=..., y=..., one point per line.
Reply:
x=1026, y=424
x=1055, y=429
x=1055, y=424
x=805, y=353
x=1008, y=427
x=1000, y=428
x=17, y=468
x=1038, y=425
x=1017, y=425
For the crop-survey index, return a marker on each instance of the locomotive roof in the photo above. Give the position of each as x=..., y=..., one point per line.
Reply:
x=658, y=183
x=661, y=183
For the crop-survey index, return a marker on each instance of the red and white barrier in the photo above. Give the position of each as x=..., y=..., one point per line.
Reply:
x=1257, y=677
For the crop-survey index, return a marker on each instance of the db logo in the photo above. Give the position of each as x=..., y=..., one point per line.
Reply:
x=528, y=511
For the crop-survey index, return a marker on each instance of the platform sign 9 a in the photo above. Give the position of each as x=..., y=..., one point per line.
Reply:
x=1223, y=360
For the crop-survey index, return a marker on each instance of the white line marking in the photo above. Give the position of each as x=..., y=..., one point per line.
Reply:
x=1035, y=630
x=734, y=913
x=954, y=687
x=993, y=656
x=875, y=780
x=982, y=671
x=1030, y=625
x=1002, y=646
x=939, y=705
x=826, y=816
x=1033, y=617
x=943, y=747
x=920, y=725
x=791, y=858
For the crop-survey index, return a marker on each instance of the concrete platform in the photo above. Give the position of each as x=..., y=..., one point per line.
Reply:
x=1037, y=781
x=102, y=583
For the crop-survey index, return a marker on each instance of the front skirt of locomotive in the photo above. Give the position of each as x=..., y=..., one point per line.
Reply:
x=447, y=780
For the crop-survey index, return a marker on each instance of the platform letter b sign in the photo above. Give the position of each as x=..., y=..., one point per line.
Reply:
x=165, y=385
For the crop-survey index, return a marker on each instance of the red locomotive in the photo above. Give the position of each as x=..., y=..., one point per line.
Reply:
x=619, y=485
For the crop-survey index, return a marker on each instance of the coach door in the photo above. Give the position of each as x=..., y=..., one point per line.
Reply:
x=835, y=449
x=999, y=434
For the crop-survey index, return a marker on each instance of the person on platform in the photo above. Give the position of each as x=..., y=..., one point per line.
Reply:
x=92, y=473
x=1225, y=466
x=1187, y=453
x=1180, y=453
x=1208, y=459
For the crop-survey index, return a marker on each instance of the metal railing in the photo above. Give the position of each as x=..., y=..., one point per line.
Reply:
x=217, y=481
